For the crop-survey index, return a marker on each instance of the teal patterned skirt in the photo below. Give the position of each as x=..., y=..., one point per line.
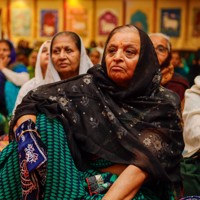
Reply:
x=64, y=181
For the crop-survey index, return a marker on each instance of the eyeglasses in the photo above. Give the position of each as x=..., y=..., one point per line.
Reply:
x=161, y=49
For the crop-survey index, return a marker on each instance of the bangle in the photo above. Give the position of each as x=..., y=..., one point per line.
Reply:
x=25, y=131
x=26, y=126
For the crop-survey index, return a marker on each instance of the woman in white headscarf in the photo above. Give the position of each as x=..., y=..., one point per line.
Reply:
x=68, y=57
x=40, y=71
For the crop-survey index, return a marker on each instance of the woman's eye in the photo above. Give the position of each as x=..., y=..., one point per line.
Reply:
x=111, y=51
x=44, y=50
x=68, y=50
x=130, y=52
x=56, y=51
x=5, y=50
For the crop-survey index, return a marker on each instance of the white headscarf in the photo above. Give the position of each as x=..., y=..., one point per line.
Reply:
x=85, y=63
x=35, y=81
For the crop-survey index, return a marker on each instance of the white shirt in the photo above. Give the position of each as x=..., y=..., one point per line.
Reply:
x=191, y=119
x=16, y=78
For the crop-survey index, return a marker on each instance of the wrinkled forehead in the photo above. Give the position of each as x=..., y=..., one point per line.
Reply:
x=132, y=30
x=156, y=40
x=61, y=41
x=125, y=35
x=128, y=28
x=62, y=37
x=66, y=39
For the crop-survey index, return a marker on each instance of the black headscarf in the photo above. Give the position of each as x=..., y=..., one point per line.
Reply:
x=140, y=125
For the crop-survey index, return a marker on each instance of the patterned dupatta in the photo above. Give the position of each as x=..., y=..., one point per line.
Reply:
x=32, y=159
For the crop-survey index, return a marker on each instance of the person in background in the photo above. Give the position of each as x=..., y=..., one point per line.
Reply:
x=93, y=44
x=87, y=50
x=12, y=76
x=180, y=65
x=40, y=71
x=22, y=57
x=23, y=45
x=111, y=124
x=190, y=165
x=23, y=51
x=100, y=47
x=32, y=62
x=95, y=56
x=170, y=79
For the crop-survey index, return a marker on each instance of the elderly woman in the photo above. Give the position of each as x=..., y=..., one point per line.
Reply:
x=95, y=55
x=68, y=57
x=170, y=79
x=63, y=64
x=113, y=133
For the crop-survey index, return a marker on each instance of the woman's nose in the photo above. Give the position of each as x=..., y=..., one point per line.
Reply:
x=63, y=54
x=118, y=55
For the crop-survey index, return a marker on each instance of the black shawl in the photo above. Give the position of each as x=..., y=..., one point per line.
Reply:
x=140, y=125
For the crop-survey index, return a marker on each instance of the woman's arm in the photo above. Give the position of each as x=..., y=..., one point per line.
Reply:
x=23, y=119
x=17, y=78
x=127, y=184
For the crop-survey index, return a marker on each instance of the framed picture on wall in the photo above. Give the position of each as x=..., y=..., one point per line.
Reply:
x=78, y=19
x=196, y=22
x=49, y=23
x=21, y=21
x=171, y=22
x=106, y=22
x=140, y=19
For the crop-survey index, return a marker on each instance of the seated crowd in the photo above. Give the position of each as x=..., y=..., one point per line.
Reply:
x=118, y=121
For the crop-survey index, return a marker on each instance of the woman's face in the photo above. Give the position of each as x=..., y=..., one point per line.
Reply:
x=65, y=56
x=95, y=57
x=44, y=56
x=122, y=54
x=160, y=45
x=4, y=50
x=32, y=58
x=176, y=59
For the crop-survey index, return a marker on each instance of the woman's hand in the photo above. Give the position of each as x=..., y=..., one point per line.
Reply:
x=4, y=62
x=167, y=74
x=23, y=119
x=127, y=184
